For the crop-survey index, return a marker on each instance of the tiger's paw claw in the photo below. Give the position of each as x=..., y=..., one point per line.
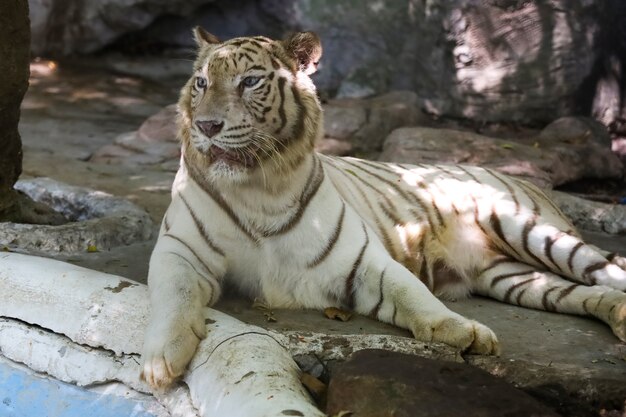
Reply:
x=167, y=352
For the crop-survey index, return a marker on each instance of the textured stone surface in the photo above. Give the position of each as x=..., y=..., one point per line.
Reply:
x=99, y=221
x=488, y=60
x=377, y=383
x=551, y=158
x=485, y=60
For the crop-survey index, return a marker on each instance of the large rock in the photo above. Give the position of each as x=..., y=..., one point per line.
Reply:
x=488, y=60
x=364, y=124
x=565, y=151
x=378, y=383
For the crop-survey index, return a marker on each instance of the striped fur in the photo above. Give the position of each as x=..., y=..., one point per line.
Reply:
x=302, y=230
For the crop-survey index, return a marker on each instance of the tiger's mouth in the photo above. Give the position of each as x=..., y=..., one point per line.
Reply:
x=244, y=157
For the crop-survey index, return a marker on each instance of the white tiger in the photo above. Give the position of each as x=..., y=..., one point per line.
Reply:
x=254, y=204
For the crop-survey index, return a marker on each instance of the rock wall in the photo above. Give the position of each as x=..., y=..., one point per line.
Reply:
x=64, y=27
x=489, y=60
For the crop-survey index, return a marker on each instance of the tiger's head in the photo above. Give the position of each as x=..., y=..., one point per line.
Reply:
x=250, y=108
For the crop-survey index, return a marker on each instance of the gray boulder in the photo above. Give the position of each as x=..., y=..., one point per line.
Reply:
x=590, y=215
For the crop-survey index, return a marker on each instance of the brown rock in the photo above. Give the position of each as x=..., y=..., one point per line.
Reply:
x=378, y=383
x=159, y=149
x=567, y=150
x=331, y=146
x=160, y=127
x=366, y=122
x=155, y=142
x=112, y=154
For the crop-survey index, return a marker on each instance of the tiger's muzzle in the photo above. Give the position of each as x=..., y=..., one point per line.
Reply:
x=244, y=157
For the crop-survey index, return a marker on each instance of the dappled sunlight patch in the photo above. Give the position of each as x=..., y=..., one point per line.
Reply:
x=43, y=68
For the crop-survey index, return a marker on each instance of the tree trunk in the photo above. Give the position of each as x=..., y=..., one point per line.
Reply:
x=14, y=67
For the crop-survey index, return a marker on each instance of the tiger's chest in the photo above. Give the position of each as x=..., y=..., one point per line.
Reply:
x=285, y=257
x=280, y=271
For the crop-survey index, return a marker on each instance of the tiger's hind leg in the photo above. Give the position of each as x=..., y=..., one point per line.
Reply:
x=521, y=284
x=563, y=253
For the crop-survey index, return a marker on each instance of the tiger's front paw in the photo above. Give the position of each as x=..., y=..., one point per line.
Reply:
x=168, y=349
x=467, y=335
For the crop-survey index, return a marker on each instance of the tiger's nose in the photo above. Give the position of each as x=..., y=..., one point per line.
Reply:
x=210, y=127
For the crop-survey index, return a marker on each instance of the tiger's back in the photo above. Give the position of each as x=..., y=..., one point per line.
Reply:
x=448, y=223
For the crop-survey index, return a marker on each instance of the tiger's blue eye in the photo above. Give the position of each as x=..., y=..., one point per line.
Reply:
x=201, y=82
x=250, y=81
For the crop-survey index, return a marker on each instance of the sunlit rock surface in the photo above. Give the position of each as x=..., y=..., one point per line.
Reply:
x=567, y=150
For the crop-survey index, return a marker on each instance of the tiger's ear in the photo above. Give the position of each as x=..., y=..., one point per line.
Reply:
x=203, y=37
x=306, y=48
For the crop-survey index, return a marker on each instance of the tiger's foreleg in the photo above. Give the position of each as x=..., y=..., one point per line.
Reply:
x=391, y=293
x=179, y=290
x=518, y=283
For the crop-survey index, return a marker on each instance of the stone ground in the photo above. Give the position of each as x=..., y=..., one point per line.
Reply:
x=72, y=109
